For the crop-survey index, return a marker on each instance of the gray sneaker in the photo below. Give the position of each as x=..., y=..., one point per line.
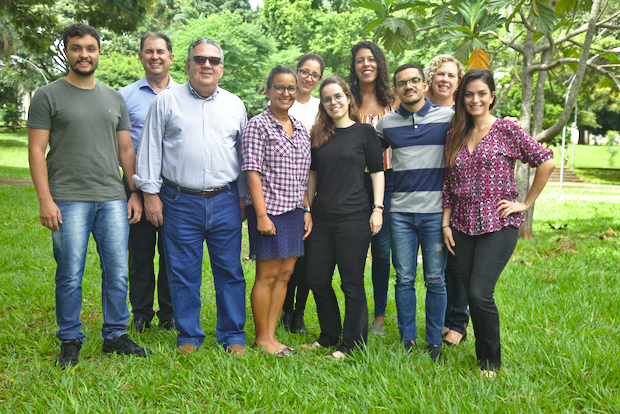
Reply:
x=377, y=328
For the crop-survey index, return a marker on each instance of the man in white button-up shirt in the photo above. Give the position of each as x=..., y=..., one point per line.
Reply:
x=188, y=167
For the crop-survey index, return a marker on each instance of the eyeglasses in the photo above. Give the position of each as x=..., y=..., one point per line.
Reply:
x=201, y=60
x=292, y=89
x=338, y=98
x=304, y=74
x=402, y=84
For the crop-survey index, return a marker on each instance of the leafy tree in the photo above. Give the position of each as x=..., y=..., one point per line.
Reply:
x=325, y=31
x=118, y=71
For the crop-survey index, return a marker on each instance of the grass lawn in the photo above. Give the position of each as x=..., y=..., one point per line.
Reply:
x=591, y=163
x=14, y=154
x=558, y=299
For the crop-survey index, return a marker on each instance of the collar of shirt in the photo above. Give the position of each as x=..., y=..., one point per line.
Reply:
x=422, y=112
x=197, y=96
x=144, y=83
x=275, y=124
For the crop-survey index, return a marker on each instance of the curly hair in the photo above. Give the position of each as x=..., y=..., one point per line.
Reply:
x=433, y=66
x=383, y=88
x=324, y=129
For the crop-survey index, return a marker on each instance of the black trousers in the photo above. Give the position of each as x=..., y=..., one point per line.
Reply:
x=457, y=315
x=143, y=237
x=344, y=242
x=297, y=289
x=481, y=260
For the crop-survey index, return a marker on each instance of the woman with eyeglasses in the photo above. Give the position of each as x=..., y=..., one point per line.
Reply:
x=481, y=215
x=369, y=77
x=343, y=223
x=276, y=158
x=305, y=109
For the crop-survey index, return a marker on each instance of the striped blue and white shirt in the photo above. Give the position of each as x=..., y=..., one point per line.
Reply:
x=418, y=142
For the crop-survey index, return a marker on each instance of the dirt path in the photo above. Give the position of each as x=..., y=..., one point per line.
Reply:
x=15, y=181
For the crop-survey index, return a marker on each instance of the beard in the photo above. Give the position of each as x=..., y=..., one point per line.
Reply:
x=410, y=100
x=80, y=72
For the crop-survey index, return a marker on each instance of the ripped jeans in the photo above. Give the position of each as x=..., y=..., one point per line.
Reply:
x=409, y=231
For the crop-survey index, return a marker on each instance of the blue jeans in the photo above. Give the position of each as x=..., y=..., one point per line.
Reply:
x=189, y=220
x=380, y=246
x=108, y=223
x=409, y=232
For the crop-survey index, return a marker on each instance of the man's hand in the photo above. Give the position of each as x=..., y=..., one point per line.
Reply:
x=153, y=208
x=134, y=208
x=50, y=214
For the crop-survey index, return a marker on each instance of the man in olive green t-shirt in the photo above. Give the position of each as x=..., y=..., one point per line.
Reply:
x=80, y=190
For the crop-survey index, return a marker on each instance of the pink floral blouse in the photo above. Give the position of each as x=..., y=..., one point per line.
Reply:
x=476, y=182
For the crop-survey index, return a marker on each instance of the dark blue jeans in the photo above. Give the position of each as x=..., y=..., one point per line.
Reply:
x=409, y=232
x=107, y=221
x=189, y=220
x=380, y=246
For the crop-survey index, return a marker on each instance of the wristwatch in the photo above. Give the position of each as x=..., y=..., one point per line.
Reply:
x=307, y=209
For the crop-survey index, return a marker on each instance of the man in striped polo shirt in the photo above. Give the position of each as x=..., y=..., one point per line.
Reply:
x=417, y=133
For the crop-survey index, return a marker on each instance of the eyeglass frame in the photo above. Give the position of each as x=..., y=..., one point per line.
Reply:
x=413, y=82
x=334, y=98
x=207, y=58
x=314, y=76
x=275, y=88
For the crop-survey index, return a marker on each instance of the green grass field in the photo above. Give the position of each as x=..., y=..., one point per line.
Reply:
x=558, y=300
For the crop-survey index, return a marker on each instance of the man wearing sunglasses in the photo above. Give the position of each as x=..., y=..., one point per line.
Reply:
x=156, y=57
x=188, y=168
x=417, y=133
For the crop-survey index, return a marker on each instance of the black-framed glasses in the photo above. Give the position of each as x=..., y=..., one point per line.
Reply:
x=304, y=74
x=201, y=60
x=292, y=89
x=338, y=98
x=402, y=84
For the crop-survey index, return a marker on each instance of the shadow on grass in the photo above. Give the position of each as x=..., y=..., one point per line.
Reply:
x=12, y=143
x=599, y=175
x=14, y=172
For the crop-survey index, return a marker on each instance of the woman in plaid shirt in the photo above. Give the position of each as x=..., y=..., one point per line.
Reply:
x=276, y=158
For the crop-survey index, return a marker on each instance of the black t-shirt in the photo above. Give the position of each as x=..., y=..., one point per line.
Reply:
x=340, y=166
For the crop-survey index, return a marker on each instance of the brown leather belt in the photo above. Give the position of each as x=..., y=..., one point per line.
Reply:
x=204, y=193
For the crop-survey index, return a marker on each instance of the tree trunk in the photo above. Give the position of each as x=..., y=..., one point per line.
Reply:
x=523, y=173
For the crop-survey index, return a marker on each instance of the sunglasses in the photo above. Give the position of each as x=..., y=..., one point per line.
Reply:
x=201, y=60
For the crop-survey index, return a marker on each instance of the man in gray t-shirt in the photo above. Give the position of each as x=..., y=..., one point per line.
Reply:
x=80, y=190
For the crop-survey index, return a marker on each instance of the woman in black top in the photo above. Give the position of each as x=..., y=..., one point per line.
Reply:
x=342, y=148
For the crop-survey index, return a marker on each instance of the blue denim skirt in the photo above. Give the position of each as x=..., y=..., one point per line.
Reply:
x=288, y=240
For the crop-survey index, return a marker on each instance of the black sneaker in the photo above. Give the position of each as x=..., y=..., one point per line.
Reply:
x=167, y=324
x=286, y=319
x=410, y=346
x=69, y=353
x=298, y=326
x=124, y=345
x=139, y=325
x=436, y=354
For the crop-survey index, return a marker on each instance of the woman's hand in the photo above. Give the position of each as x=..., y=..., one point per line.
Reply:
x=510, y=207
x=307, y=224
x=448, y=240
x=376, y=221
x=265, y=226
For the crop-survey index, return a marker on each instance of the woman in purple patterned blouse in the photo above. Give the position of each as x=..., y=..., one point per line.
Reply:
x=481, y=215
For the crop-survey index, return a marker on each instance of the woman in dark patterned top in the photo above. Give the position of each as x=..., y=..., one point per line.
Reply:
x=481, y=215
x=342, y=148
x=276, y=157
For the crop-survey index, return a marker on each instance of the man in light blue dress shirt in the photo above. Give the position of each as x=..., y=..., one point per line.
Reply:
x=156, y=57
x=188, y=167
